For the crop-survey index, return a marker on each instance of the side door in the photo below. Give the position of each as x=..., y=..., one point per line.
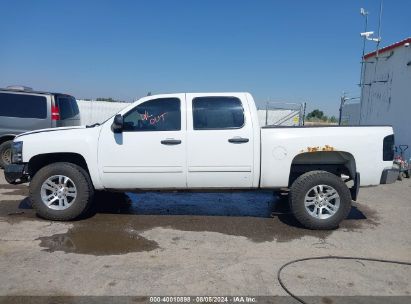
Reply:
x=219, y=141
x=150, y=153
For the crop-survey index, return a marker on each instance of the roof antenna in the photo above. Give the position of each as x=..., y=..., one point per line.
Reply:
x=368, y=35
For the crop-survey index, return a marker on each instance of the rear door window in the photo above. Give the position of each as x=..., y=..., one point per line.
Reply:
x=217, y=113
x=67, y=106
x=23, y=106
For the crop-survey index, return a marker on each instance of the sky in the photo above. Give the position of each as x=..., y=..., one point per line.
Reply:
x=289, y=51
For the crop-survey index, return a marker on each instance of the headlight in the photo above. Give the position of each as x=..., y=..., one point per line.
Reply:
x=17, y=152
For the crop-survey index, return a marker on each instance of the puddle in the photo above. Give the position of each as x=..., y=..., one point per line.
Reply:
x=98, y=240
x=107, y=234
x=118, y=234
x=117, y=221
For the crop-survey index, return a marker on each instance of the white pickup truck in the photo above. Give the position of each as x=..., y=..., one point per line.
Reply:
x=202, y=141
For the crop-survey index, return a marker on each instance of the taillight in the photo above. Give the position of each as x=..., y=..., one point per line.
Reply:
x=55, y=113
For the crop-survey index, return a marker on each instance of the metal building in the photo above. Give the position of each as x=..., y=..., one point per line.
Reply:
x=386, y=90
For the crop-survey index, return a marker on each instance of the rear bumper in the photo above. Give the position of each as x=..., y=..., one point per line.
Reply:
x=389, y=176
x=16, y=173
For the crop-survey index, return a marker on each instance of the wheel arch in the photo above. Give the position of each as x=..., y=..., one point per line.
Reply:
x=336, y=162
x=6, y=137
x=41, y=160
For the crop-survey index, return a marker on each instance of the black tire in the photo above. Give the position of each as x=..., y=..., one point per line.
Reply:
x=301, y=187
x=5, y=153
x=407, y=173
x=82, y=182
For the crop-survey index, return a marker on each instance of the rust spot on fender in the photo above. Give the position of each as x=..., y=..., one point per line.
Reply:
x=328, y=148
x=318, y=148
x=313, y=149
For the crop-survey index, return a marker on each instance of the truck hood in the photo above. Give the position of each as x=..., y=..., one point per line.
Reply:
x=61, y=129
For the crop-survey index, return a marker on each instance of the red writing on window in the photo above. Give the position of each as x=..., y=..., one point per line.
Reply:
x=153, y=119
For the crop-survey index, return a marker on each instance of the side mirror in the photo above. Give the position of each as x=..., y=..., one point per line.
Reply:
x=117, y=125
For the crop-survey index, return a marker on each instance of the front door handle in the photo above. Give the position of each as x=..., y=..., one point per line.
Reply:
x=238, y=140
x=171, y=142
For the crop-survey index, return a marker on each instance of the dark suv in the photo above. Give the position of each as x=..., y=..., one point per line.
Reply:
x=22, y=110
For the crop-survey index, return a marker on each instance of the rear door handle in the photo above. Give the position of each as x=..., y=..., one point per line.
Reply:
x=238, y=140
x=171, y=142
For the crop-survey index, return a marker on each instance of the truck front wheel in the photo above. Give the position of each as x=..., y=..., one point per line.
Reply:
x=61, y=191
x=320, y=200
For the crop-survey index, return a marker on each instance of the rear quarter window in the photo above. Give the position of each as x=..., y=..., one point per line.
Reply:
x=23, y=106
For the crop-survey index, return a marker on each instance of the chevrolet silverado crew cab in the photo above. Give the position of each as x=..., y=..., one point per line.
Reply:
x=202, y=141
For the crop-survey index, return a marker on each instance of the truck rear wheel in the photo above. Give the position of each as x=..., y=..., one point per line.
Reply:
x=61, y=191
x=320, y=200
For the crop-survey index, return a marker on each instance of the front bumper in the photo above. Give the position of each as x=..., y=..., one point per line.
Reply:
x=389, y=176
x=16, y=173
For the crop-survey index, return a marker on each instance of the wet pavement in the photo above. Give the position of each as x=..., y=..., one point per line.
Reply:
x=168, y=234
x=115, y=224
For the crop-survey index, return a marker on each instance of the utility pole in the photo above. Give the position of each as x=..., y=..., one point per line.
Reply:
x=342, y=102
x=305, y=106
x=364, y=13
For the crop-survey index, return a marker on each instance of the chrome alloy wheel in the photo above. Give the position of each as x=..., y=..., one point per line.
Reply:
x=322, y=201
x=58, y=192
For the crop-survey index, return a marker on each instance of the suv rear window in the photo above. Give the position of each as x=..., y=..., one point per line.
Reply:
x=67, y=106
x=23, y=106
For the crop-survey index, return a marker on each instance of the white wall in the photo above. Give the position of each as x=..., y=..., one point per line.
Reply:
x=386, y=95
x=350, y=114
x=92, y=111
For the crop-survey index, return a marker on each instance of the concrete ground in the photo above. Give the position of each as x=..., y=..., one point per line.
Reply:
x=203, y=244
